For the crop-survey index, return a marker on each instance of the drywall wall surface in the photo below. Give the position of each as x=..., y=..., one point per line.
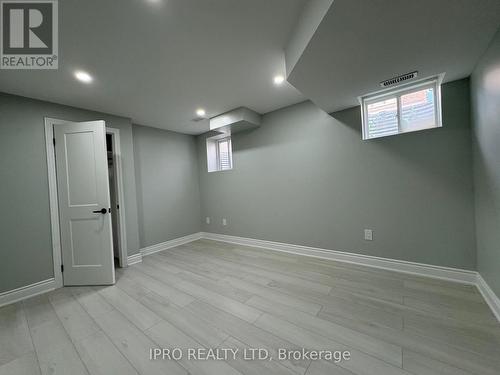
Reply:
x=168, y=194
x=305, y=177
x=485, y=93
x=26, y=245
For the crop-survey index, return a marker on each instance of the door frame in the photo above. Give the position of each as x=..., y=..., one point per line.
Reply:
x=121, y=225
x=49, y=124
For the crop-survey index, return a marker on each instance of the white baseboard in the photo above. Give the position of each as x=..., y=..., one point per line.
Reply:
x=171, y=243
x=490, y=297
x=27, y=291
x=133, y=259
x=420, y=269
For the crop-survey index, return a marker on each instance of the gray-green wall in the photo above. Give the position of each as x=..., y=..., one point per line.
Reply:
x=307, y=178
x=25, y=236
x=168, y=194
x=485, y=88
x=303, y=177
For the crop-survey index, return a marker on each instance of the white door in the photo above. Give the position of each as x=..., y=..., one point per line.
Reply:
x=83, y=196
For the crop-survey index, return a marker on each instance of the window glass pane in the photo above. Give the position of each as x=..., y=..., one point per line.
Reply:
x=418, y=110
x=224, y=154
x=382, y=118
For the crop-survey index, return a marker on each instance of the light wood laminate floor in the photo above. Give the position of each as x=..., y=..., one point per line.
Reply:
x=208, y=294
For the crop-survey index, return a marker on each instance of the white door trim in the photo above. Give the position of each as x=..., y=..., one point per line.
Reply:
x=122, y=227
x=53, y=202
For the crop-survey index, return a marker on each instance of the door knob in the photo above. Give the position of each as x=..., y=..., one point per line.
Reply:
x=101, y=211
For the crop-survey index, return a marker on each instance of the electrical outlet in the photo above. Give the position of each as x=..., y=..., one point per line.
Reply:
x=207, y=220
x=368, y=235
x=224, y=221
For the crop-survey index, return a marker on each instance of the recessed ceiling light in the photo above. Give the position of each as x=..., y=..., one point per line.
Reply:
x=279, y=79
x=200, y=112
x=83, y=76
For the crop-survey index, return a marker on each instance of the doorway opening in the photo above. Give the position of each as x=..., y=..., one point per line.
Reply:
x=91, y=231
x=116, y=197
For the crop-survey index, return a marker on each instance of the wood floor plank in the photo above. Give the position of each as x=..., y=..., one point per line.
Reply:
x=217, y=270
x=450, y=301
x=306, y=267
x=205, y=334
x=362, y=307
x=183, y=265
x=24, y=365
x=286, y=299
x=253, y=367
x=222, y=288
x=201, y=292
x=247, y=333
x=61, y=361
x=167, y=266
x=299, y=266
x=461, y=337
x=155, y=269
x=443, y=326
x=392, y=307
x=237, y=308
x=167, y=335
x=364, y=283
x=15, y=339
x=263, y=269
x=170, y=293
x=360, y=363
x=101, y=357
x=212, y=294
x=91, y=300
x=55, y=351
x=438, y=350
x=484, y=316
x=422, y=365
x=368, y=289
x=348, y=306
x=135, y=345
x=139, y=315
x=75, y=320
x=432, y=282
x=326, y=368
x=414, y=288
x=38, y=310
x=344, y=303
x=385, y=351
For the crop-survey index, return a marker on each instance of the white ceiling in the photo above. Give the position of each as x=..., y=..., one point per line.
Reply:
x=359, y=43
x=157, y=61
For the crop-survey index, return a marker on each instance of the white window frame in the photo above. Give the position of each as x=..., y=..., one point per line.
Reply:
x=230, y=153
x=396, y=93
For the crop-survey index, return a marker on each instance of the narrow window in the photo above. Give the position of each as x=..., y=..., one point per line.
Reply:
x=404, y=109
x=224, y=157
x=219, y=153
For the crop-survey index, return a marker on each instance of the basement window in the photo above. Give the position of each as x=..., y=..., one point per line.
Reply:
x=404, y=109
x=219, y=153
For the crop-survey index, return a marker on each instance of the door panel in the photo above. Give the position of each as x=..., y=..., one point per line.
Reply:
x=83, y=187
x=81, y=169
x=86, y=234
